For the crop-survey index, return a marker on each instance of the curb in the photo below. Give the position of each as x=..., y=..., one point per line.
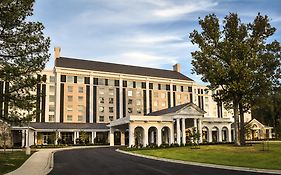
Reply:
x=254, y=170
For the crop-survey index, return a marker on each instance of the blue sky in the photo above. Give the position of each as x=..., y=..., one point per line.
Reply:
x=151, y=33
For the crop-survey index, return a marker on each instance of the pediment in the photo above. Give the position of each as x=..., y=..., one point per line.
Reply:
x=191, y=110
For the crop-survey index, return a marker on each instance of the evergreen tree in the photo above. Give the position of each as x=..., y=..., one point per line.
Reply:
x=23, y=55
x=238, y=60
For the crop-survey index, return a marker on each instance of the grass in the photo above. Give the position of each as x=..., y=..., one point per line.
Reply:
x=10, y=161
x=248, y=156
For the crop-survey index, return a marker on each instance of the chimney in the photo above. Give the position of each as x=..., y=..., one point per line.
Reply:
x=177, y=67
x=57, y=52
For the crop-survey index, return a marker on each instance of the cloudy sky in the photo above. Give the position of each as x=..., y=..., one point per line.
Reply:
x=152, y=33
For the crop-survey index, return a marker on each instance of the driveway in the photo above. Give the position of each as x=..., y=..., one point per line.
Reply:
x=106, y=161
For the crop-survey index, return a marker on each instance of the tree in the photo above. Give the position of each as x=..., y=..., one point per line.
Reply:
x=23, y=55
x=4, y=134
x=238, y=60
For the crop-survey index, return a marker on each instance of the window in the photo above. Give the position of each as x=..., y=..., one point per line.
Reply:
x=178, y=88
x=130, y=93
x=52, y=89
x=51, y=98
x=101, y=100
x=80, y=98
x=101, y=118
x=138, y=102
x=101, y=91
x=80, y=89
x=51, y=118
x=52, y=79
x=80, y=80
x=70, y=79
x=80, y=108
x=69, y=98
x=130, y=110
x=52, y=108
x=130, y=101
x=101, y=81
x=138, y=84
x=111, y=92
x=110, y=82
x=130, y=84
x=80, y=118
x=155, y=86
x=69, y=118
x=139, y=110
x=111, y=118
x=69, y=88
x=69, y=108
x=110, y=109
x=101, y=109
x=110, y=100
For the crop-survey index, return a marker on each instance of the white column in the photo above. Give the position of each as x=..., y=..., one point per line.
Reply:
x=77, y=134
x=229, y=134
x=27, y=138
x=210, y=139
x=23, y=141
x=91, y=99
x=147, y=96
x=269, y=133
x=200, y=130
x=219, y=135
x=93, y=137
x=121, y=98
x=35, y=137
x=159, y=136
x=131, y=136
x=75, y=137
x=57, y=111
x=178, y=131
x=172, y=132
x=145, y=137
x=111, y=137
x=183, y=131
x=122, y=138
x=171, y=96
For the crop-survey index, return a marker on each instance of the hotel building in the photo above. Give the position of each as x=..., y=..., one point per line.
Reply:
x=122, y=104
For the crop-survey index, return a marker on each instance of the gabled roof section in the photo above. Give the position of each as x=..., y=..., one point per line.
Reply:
x=176, y=109
x=118, y=68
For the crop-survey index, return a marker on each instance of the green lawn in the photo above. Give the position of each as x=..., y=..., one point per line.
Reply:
x=10, y=161
x=249, y=156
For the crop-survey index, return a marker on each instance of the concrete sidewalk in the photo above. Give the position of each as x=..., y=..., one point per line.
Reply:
x=42, y=161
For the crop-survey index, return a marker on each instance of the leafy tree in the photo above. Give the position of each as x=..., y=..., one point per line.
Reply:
x=23, y=55
x=238, y=60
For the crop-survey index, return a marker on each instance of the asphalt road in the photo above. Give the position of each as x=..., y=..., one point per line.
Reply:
x=106, y=161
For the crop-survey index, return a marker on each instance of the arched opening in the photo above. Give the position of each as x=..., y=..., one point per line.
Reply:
x=224, y=135
x=166, y=135
x=139, y=136
x=215, y=134
x=152, y=135
x=205, y=134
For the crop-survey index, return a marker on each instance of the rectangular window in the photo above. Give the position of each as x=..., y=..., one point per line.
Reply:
x=63, y=78
x=101, y=100
x=69, y=118
x=130, y=93
x=101, y=118
x=70, y=79
x=80, y=118
x=110, y=100
x=101, y=81
x=111, y=92
x=52, y=89
x=130, y=101
x=155, y=86
x=130, y=110
x=69, y=108
x=80, y=80
x=167, y=87
x=80, y=108
x=69, y=88
x=80, y=89
x=52, y=98
x=86, y=80
x=139, y=110
x=101, y=91
x=80, y=98
x=52, y=108
x=52, y=79
x=51, y=118
x=69, y=98
x=138, y=84
x=130, y=84
x=111, y=109
x=110, y=82
x=110, y=118
x=189, y=89
x=138, y=102
x=101, y=109
x=143, y=85
x=95, y=81
x=116, y=82
x=150, y=85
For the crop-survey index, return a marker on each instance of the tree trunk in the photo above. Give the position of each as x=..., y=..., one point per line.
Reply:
x=242, y=129
x=236, y=123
